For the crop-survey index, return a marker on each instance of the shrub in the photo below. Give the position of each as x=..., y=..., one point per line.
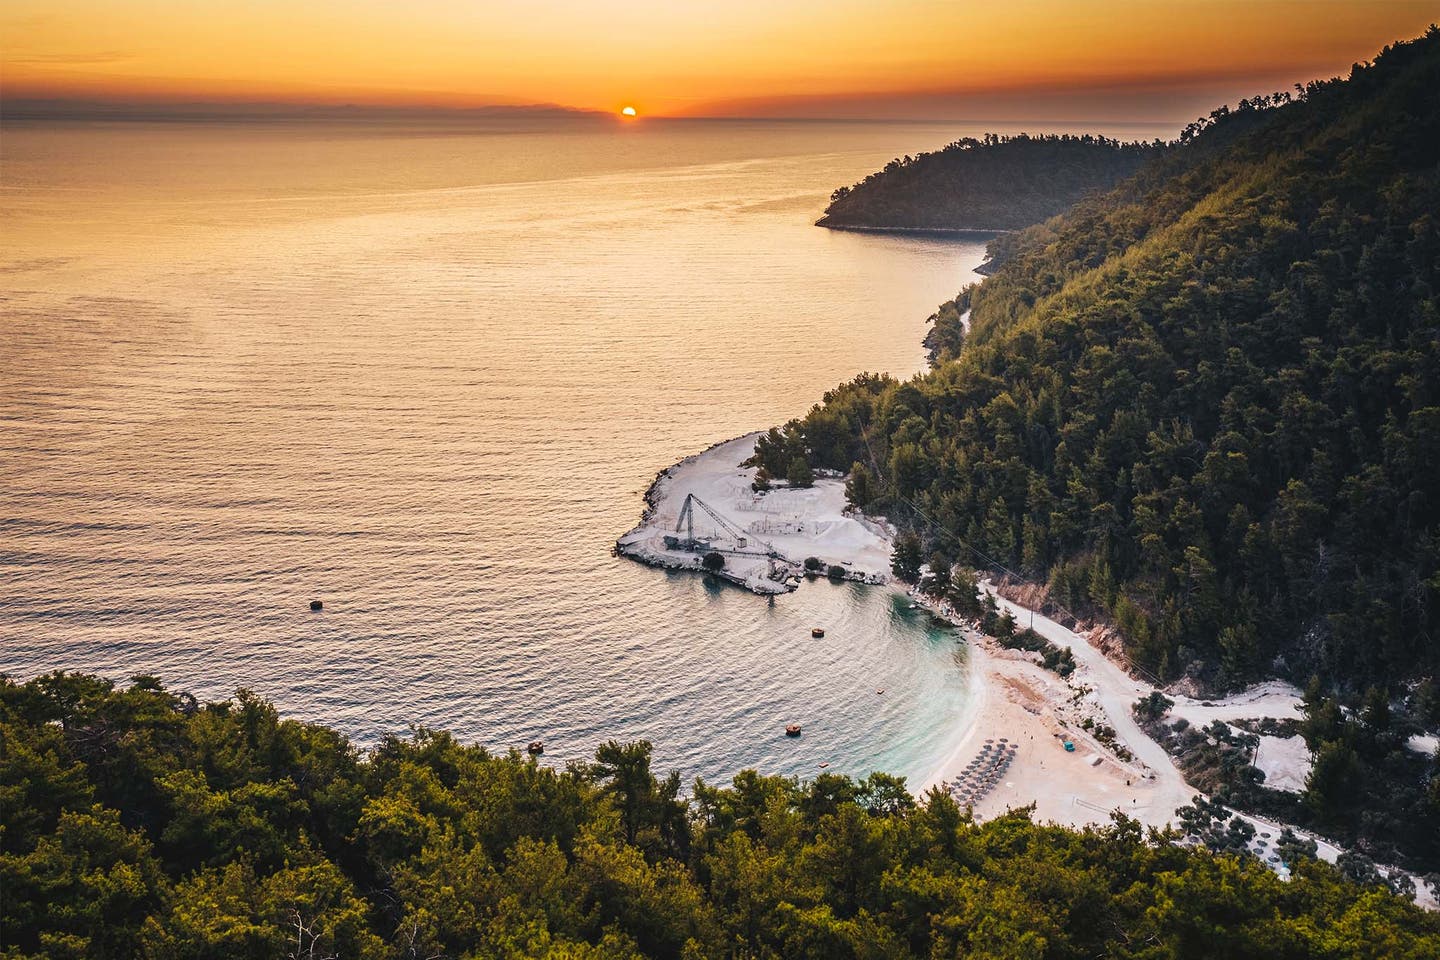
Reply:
x=836, y=572
x=1153, y=707
x=1059, y=659
x=714, y=561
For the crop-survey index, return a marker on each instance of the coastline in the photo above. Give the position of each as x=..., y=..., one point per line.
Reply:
x=1012, y=695
x=1037, y=710
x=632, y=543
x=1014, y=701
x=954, y=233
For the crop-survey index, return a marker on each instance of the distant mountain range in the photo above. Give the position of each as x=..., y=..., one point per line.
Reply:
x=32, y=109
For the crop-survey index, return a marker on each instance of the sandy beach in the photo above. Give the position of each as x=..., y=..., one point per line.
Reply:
x=1013, y=697
x=1009, y=748
x=1019, y=701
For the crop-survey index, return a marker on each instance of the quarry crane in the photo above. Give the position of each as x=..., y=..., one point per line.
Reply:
x=685, y=523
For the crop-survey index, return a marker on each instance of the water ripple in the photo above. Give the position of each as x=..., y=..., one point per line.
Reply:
x=435, y=409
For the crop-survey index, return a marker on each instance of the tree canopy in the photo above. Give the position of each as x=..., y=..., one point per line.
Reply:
x=138, y=822
x=989, y=183
x=1204, y=405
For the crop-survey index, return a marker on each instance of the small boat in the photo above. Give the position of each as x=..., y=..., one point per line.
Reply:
x=824, y=765
x=793, y=730
x=881, y=690
x=817, y=632
x=535, y=748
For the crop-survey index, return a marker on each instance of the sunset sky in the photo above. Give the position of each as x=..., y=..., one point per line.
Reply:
x=1145, y=59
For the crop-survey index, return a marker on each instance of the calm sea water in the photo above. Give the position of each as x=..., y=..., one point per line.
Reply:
x=425, y=375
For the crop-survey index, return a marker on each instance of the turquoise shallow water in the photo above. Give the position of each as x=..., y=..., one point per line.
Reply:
x=426, y=375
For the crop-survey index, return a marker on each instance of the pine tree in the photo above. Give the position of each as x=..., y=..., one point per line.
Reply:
x=799, y=474
x=860, y=487
x=964, y=593
x=907, y=557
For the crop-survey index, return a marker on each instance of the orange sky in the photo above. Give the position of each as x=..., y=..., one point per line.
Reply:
x=910, y=58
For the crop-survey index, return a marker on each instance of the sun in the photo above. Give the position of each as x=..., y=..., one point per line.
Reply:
x=628, y=112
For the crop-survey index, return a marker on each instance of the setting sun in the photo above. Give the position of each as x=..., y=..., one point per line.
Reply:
x=368, y=373
x=882, y=59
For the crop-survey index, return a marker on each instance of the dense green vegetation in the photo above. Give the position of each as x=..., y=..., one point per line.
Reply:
x=1205, y=405
x=993, y=183
x=1367, y=791
x=140, y=823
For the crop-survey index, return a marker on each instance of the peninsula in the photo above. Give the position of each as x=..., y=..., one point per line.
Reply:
x=979, y=185
x=763, y=536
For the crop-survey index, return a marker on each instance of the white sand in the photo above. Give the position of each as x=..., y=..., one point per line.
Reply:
x=1032, y=707
x=794, y=523
x=1012, y=696
x=1037, y=709
x=1026, y=704
x=1275, y=699
x=1285, y=761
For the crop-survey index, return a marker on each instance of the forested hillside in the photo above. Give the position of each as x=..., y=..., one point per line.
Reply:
x=994, y=183
x=140, y=823
x=1205, y=405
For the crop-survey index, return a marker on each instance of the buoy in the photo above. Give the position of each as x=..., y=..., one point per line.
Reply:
x=316, y=605
x=817, y=632
x=793, y=730
x=535, y=748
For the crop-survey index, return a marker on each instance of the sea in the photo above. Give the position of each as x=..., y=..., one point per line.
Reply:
x=424, y=372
